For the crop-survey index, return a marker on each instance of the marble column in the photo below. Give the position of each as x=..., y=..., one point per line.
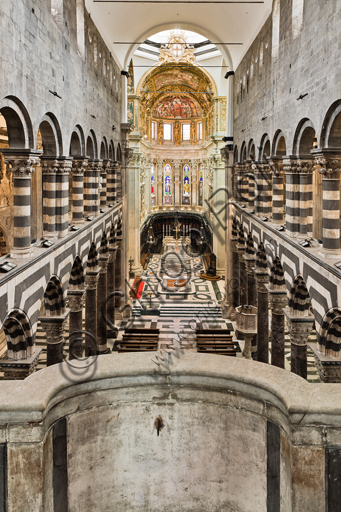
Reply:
x=79, y=166
x=91, y=280
x=62, y=196
x=262, y=278
x=54, y=327
x=243, y=185
x=251, y=186
x=111, y=286
x=22, y=166
x=299, y=329
x=242, y=268
x=49, y=168
x=235, y=276
x=278, y=301
x=76, y=300
x=292, y=213
x=177, y=164
x=306, y=168
x=330, y=167
x=277, y=191
x=102, y=345
x=249, y=258
x=103, y=175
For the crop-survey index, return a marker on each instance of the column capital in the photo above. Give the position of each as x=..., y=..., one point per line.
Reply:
x=278, y=300
x=250, y=263
x=276, y=166
x=262, y=279
x=225, y=155
x=128, y=155
x=76, y=300
x=79, y=166
x=306, y=166
x=291, y=165
x=22, y=161
x=106, y=164
x=91, y=279
x=64, y=165
x=330, y=167
x=299, y=327
x=54, y=326
x=103, y=263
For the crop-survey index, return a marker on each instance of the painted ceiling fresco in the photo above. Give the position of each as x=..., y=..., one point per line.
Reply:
x=177, y=107
x=165, y=79
x=179, y=77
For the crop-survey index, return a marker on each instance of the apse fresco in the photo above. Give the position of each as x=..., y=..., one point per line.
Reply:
x=179, y=78
x=177, y=107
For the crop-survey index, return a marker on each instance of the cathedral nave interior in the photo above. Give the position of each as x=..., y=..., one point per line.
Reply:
x=170, y=263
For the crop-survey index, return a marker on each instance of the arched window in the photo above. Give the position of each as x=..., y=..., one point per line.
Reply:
x=57, y=12
x=201, y=185
x=152, y=183
x=80, y=27
x=275, y=28
x=297, y=17
x=186, y=194
x=168, y=184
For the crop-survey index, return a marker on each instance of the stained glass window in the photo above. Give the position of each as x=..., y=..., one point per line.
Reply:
x=168, y=184
x=201, y=185
x=186, y=184
x=152, y=183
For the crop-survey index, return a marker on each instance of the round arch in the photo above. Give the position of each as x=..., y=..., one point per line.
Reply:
x=264, y=147
x=19, y=124
x=304, y=137
x=279, y=147
x=77, y=142
x=331, y=128
x=51, y=135
x=91, y=145
x=243, y=154
x=104, y=149
x=19, y=335
x=183, y=26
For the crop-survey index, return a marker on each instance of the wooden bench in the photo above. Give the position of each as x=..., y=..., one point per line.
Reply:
x=139, y=340
x=216, y=341
x=137, y=347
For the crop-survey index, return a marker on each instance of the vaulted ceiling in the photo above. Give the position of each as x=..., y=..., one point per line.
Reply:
x=133, y=22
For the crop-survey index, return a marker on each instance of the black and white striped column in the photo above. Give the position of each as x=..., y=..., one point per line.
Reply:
x=257, y=200
x=91, y=188
x=102, y=345
x=119, y=184
x=242, y=267
x=277, y=192
x=330, y=169
x=111, y=184
x=104, y=174
x=251, y=186
x=306, y=168
x=292, y=214
x=49, y=167
x=243, y=185
x=278, y=301
x=62, y=196
x=266, y=186
x=22, y=166
x=78, y=168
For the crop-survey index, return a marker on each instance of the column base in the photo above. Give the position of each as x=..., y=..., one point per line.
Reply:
x=20, y=369
x=106, y=350
x=333, y=254
x=25, y=252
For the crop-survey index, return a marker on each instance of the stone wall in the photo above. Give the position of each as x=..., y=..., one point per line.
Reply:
x=44, y=50
x=308, y=62
x=232, y=435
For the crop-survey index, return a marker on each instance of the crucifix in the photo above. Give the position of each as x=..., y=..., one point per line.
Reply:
x=177, y=229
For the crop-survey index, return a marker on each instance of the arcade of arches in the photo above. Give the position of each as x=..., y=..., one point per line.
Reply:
x=170, y=261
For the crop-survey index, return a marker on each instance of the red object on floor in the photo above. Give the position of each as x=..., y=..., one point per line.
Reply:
x=140, y=290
